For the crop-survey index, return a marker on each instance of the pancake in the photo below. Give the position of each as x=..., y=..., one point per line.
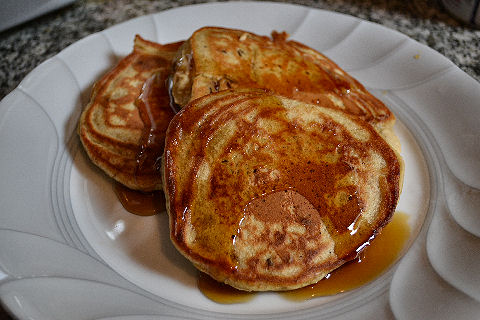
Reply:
x=123, y=126
x=269, y=193
x=215, y=59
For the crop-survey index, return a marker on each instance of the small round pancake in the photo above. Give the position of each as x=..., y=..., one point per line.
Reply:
x=112, y=128
x=269, y=193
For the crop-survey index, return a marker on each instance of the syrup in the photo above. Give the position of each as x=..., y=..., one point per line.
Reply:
x=140, y=203
x=220, y=292
x=374, y=260
x=154, y=108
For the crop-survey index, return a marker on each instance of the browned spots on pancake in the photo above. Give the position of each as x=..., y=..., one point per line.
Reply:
x=281, y=232
x=147, y=63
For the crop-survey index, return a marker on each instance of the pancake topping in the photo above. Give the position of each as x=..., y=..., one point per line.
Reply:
x=154, y=109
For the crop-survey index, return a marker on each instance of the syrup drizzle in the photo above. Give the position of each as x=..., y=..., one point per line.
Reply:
x=374, y=260
x=220, y=292
x=154, y=108
x=140, y=203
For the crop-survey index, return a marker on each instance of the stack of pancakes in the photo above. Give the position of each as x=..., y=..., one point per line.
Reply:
x=278, y=168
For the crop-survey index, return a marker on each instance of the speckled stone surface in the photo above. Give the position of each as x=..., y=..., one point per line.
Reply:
x=24, y=47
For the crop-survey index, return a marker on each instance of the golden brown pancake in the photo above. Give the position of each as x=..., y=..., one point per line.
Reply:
x=215, y=59
x=269, y=193
x=122, y=128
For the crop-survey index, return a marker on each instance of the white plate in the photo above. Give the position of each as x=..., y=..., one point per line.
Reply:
x=68, y=250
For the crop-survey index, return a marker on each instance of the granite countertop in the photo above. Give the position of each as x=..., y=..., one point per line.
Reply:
x=24, y=47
